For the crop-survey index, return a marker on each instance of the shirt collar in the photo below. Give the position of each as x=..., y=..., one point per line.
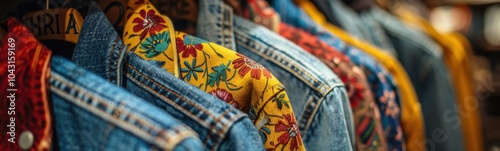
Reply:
x=143, y=11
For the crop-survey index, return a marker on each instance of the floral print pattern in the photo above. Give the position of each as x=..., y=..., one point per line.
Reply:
x=189, y=45
x=225, y=96
x=229, y=76
x=155, y=45
x=290, y=129
x=148, y=23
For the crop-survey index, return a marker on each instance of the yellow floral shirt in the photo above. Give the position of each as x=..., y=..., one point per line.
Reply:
x=224, y=73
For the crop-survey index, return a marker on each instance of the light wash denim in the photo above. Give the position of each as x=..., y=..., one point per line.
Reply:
x=219, y=125
x=319, y=98
x=93, y=114
x=380, y=80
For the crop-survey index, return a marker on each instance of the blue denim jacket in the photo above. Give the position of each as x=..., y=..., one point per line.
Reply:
x=92, y=114
x=220, y=126
x=321, y=105
x=379, y=78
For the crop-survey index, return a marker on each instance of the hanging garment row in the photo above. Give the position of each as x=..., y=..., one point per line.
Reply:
x=232, y=75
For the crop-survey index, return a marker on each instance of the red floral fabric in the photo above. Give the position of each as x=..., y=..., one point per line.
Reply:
x=22, y=56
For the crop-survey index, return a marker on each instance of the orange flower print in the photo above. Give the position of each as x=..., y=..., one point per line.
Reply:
x=148, y=23
x=246, y=65
x=292, y=135
x=225, y=96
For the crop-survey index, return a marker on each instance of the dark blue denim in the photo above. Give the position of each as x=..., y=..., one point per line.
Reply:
x=93, y=114
x=220, y=126
x=319, y=98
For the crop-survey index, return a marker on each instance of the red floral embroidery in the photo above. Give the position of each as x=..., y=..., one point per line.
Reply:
x=291, y=132
x=150, y=22
x=225, y=96
x=246, y=65
x=189, y=45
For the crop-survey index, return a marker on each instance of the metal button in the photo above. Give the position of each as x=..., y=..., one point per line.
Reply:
x=26, y=140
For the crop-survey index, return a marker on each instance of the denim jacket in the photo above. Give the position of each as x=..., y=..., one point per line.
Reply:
x=322, y=107
x=382, y=84
x=219, y=125
x=92, y=114
x=84, y=112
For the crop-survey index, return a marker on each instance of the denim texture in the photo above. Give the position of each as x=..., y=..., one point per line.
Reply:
x=93, y=114
x=379, y=78
x=347, y=19
x=319, y=97
x=422, y=60
x=220, y=126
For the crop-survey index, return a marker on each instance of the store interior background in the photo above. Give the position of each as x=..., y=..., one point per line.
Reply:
x=479, y=21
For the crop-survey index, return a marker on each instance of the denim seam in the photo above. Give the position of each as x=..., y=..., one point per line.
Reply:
x=166, y=89
x=279, y=63
x=271, y=46
x=309, y=117
x=302, y=124
x=162, y=139
x=217, y=121
x=108, y=68
x=119, y=63
x=215, y=144
x=206, y=125
x=110, y=126
x=220, y=133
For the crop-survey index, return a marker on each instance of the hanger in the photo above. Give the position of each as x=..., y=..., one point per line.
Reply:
x=359, y=5
x=62, y=24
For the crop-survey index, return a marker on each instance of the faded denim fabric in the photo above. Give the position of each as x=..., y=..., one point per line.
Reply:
x=219, y=125
x=381, y=81
x=320, y=100
x=93, y=114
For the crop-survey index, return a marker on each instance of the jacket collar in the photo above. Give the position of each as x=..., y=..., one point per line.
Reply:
x=217, y=18
x=100, y=48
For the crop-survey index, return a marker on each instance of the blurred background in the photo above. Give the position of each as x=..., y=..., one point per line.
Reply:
x=479, y=22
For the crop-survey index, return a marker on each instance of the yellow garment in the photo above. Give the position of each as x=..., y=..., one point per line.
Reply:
x=224, y=73
x=457, y=60
x=411, y=115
